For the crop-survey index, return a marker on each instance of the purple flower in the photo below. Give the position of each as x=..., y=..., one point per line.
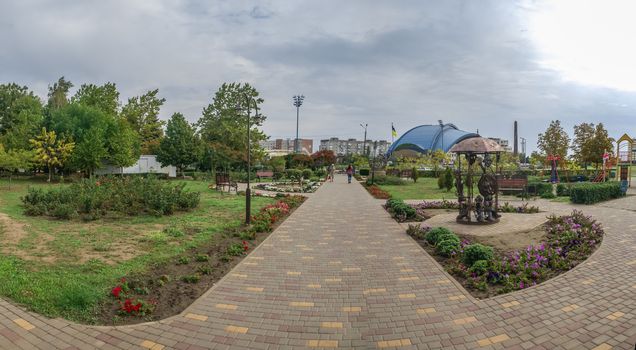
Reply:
x=521, y=285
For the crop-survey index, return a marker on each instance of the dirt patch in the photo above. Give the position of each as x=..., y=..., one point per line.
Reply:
x=162, y=284
x=506, y=242
x=12, y=231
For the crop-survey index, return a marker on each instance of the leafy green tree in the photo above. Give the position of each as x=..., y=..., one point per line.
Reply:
x=142, y=113
x=21, y=116
x=51, y=151
x=448, y=179
x=123, y=145
x=277, y=164
x=180, y=146
x=224, y=129
x=58, y=94
x=600, y=143
x=324, y=158
x=583, y=133
x=554, y=141
x=105, y=97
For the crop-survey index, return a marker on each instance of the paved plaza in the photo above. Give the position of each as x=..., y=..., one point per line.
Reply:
x=340, y=273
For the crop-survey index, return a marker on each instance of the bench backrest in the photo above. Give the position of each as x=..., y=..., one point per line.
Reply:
x=264, y=173
x=515, y=183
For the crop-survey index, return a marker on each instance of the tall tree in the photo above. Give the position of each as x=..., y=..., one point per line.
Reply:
x=21, y=116
x=105, y=97
x=583, y=133
x=180, y=146
x=554, y=141
x=324, y=158
x=58, y=94
x=123, y=145
x=600, y=144
x=224, y=129
x=51, y=151
x=142, y=113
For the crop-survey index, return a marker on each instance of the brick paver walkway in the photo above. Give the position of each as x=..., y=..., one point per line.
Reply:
x=339, y=273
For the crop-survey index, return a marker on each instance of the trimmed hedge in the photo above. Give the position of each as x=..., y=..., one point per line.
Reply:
x=400, y=210
x=433, y=235
x=476, y=252
x=364, y=172
x=590, y=193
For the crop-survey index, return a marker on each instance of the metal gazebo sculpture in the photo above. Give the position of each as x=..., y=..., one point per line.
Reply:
x=481, y=208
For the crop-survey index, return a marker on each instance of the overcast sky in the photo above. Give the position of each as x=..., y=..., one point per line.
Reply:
x=477, y=64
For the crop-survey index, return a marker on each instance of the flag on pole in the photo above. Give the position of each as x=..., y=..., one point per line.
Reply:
x=393, y=132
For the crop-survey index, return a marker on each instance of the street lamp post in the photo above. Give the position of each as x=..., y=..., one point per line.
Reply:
x=248, y=191
x=298, y=101
x=364, y=143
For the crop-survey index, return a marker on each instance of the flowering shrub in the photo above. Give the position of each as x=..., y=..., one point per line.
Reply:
x=400, y=210
x=570, y=240
x=443, y=204
x=269, y=215
x=377, y=192
x=522, y=209
x=129, y=306
x=92, y=199
x=417, y=231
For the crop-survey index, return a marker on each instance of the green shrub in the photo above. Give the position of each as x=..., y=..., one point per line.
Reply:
x=547, y=195
x=127, y=195
x=400, y=210
x=201, y=257
x=364, y=172
x=307, y=174
x=320, y=172
x=475, y=252
x=293, y=174
x=447, y=247
x=204, y=270
x=448, y=237
x=480, y=267
x=448, y=179
x=183, y=260
x=539, y=188
x=441, y=181
x=563, y=190
x=190, y=278
x=235, y=249
x=173, y=232
x=590, y=193
x=432, y=236
x=414, y=174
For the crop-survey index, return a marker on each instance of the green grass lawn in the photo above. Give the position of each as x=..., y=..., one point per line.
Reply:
x=66, y=268
x=424, y=188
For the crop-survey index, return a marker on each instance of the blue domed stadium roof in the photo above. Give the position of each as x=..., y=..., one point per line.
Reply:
x=425, y=138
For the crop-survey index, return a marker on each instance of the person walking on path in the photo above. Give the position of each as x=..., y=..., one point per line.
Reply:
x=332, y=172
x=349, y=173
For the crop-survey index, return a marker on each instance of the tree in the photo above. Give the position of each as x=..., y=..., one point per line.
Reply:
x=14, y=160
x=180, y=146
x=124, y=146
x=600, y=144
x=51, y=151
x=58, y=94
x=323, y=158
x=105, y=97
x=554, y=141
x=277, y=164
x=90, y=151
x=301, y=161
x=20, y=116
x=224, y=129
x=583, y=133
x=142, y=113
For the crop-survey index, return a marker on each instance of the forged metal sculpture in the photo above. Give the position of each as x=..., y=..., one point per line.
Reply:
x=480, y=208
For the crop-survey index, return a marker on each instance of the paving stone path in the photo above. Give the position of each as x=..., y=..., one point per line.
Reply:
x=339, y=273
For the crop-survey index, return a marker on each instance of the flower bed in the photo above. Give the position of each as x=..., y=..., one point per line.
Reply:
x=486, y=272
x=168, y=288
x=377, y=192
x=289, y=187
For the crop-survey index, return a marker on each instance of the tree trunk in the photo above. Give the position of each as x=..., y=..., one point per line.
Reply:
x=49, y=180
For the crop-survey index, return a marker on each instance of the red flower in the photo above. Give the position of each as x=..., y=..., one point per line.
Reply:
x=115, y=292
x=245, y=246
x=123, y=280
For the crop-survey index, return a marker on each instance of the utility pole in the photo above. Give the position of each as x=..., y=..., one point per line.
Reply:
x=364, y=143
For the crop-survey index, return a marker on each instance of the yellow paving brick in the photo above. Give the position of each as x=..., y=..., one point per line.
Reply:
x=300, y=245
x=196, y=317
x=250, y=263
x=633, y=262
x=615, y=315
x=226, y=306
x=603, y=346
x=335, y=262
x=457, y=297
x=443, y=282
x=406, y=270
x=239, y=275
x=510, y=304
x=407, y=296
x=285, y=251
x=308, y=258
x=301, y=304
x=398, y=258
x=374, y=291
x=461, y=321
x=351, y=309
x=570, y=308
x=236, y=329
x=493, y=340
x=426, y=310
x=588, y=281
x=151, y=345
x=331, y=325
x=351, y=269
x=308, y=249
x=371, y=256
x=412, y=278
x=393, y=343
x=293, y=273
x=333, y=280
x=254, y=289
x=313, y=285
x=322, y=343
x=257, y=258
x=24, y=324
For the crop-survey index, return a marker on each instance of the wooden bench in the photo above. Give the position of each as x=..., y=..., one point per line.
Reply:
x=513, y=184
x=264, y=173
x=223, y=180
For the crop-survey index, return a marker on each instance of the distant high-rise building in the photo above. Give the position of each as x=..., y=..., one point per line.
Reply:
x=286, y=146
x=353, y=146
x=503, y=143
